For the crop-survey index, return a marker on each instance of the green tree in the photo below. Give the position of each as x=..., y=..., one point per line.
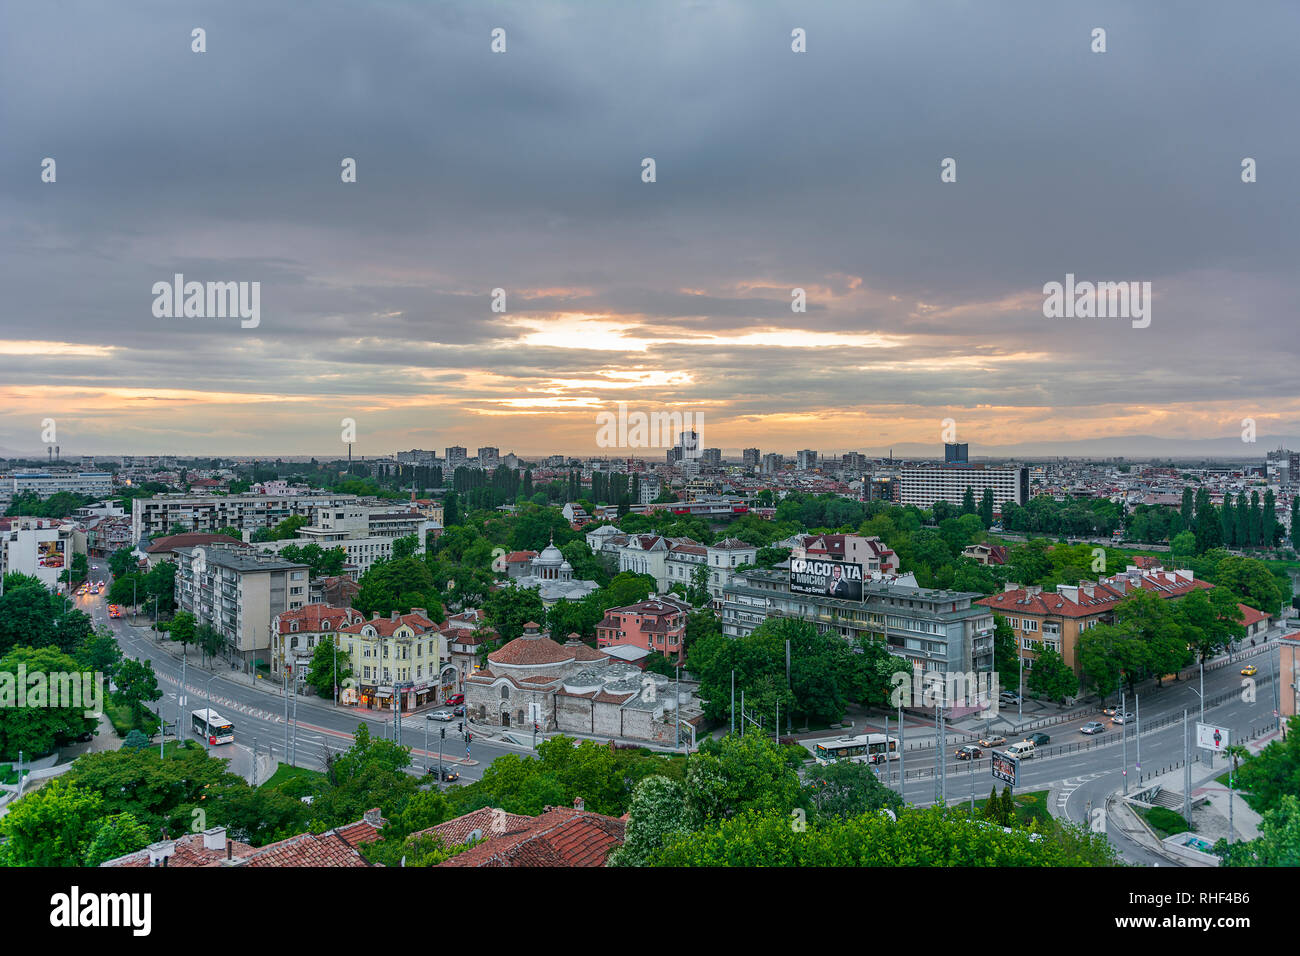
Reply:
x=183, y=629
x=846, y=789
x=1278, y=843
x=328, y=668
x=398, y=584
x=508, y=609
x=39, y=726
x=658, y=814
x=118, y=835
x=137, y=684
x=1051, y=676
x=986, y=508
x=738, y=773
x=51, y=826
x=121, y=562
x=1274, y=772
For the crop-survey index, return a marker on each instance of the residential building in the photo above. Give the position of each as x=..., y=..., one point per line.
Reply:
x=160, y=549
x=39, y=547
x=935, y=630
x=239, y=593
x=560, y=837
x=155, y=516
x=456, y=457
x=956, y=454
x=489, y=458
x=723, y=557
x=98, y=484
x=806, y=459
x=749, y=457
x=401, y=654
x=986, y=553
x=772, y=463
x=656, y=624
x=296, y=634
x=923, y=486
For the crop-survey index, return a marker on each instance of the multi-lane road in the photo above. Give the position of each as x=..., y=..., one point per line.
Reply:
x=259, y=714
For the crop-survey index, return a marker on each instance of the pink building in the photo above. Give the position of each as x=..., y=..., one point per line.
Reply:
x=655, y=624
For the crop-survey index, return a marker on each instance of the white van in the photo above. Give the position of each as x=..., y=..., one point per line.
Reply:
x=1023, y=750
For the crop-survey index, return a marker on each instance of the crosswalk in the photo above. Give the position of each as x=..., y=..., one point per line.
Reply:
x=1071, y=784
x=223, y=703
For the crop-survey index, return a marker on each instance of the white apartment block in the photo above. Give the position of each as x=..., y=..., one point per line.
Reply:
x=923, y=486
x=39, y=547
x=239, y=593
x=365, y=534
x=248, y=512
x=46, y=483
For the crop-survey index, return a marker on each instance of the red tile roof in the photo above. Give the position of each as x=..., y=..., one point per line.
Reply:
x=310, y=617
x=559, y=837
x=531, y=650
x=385, y=626
x=189, y=853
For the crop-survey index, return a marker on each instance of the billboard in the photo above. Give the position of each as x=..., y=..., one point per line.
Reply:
x=825, y=578
x=1006, y=767
x=49, y=554
x=1212, y=738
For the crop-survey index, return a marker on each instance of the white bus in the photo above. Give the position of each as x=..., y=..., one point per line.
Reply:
x=871, y=748
x=210, y=724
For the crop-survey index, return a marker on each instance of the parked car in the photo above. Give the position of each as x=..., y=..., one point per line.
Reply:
x=1038, y=739
x=456, y=699
x=1121, y=718
x=1092, y=727
x=1006, y=697
x=444, y=715
x=448, y=775
x=1250, y=670
x=993, y=740
x=969, y=752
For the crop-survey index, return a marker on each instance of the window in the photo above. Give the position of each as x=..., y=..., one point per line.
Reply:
x=1031, y=625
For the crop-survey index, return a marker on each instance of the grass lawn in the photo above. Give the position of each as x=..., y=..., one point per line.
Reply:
x=124, y=721
x=284, y=773
x=1029, y=806
x=1165, y=822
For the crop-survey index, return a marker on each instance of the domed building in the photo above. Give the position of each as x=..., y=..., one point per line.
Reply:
x=577, y=689
x=552, y=576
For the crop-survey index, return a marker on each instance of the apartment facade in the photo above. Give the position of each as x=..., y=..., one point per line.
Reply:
x=934, y=630
x=239, y=593
x=403, y=655
x=248, y=512
x=655, y=624
x=46, y=483
x=923, y=486
x=39, y=547
x=296, y=634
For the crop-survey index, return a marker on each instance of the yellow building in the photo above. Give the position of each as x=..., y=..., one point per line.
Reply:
x=400, y=654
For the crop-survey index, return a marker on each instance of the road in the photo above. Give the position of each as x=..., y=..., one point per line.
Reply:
x=259, y=715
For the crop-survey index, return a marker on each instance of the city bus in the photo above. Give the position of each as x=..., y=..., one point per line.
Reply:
x=871, y=748
x=210, y=724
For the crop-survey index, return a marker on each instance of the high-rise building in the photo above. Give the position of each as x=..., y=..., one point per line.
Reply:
x=749, y=457
x=711, y=456
x=456, y=457
x=489, y=458
x=773, y=462
x=956, y=454
x=923, y=486
x=806, y=459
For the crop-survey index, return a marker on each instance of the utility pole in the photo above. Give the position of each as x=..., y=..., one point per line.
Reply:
x=1137, y=733
x=677, y=704
x=733, y=701
x=1232, y=766
x=1187, y=772
x=1123, y=736
x=1203, y=703
x=442, y=735
x=943, y=756
x=902, y=753
x=293, y=760
x=254, y=762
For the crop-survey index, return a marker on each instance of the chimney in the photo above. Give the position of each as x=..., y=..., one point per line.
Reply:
x=579, y=803
x=1011, y=586
x=160, y=851
x=394, y=616
x=374, y=818
x=214, y=838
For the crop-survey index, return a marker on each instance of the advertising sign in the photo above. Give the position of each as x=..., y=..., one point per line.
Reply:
x=49, y=554
x=1212, y=738
x=1006, y=768
x=826, y=578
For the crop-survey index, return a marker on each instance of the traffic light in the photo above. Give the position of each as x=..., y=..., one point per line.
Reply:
x=460, y=727
x=535, y=727
x=443, y=731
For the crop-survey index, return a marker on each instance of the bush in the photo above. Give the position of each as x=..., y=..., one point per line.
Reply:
x=1167, y=821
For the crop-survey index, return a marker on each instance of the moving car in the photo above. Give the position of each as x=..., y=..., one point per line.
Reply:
x=1121, y=718
x=459, y=710
x=1038, y=739
x=114, y=611
x=993, y=740
x=1092, y=727
x=444, y=715
x=969, y=752
x=1024, y=750
x=447, y=776
x=1110, y=711
x=1250, y=670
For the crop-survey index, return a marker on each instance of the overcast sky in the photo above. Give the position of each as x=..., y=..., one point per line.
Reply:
x=522, y=171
